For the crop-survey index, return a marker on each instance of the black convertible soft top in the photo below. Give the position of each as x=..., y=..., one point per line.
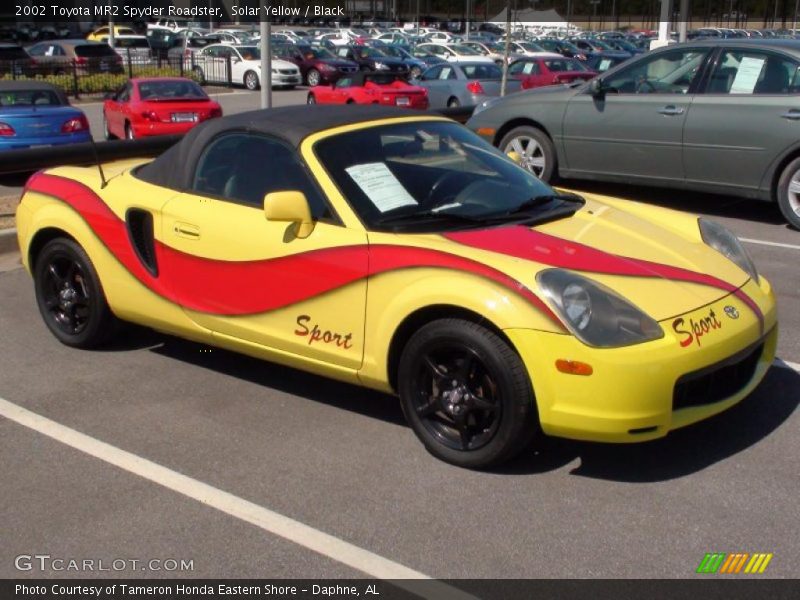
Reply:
x=175, y=167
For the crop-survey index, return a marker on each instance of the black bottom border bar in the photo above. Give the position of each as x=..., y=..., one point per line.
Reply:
x=707, y=588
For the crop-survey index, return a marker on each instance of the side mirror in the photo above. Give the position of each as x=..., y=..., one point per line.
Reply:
x=292, y=207
x=515, y=156
x=597, y=87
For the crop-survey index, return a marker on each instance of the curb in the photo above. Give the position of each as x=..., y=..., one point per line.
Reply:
x=8, y=241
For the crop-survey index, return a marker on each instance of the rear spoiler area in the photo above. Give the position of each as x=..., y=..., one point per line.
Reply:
x=16, y=165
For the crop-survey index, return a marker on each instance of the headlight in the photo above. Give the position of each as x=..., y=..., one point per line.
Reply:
x=726, y=243
x=274, y=71
x=485, y=104
x=380, y=66
x=596, y=315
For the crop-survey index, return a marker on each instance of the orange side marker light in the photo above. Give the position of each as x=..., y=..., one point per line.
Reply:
x=573, y=367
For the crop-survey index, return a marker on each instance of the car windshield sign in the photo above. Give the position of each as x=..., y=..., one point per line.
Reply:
x=433, y=176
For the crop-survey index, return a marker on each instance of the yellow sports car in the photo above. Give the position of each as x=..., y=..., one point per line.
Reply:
x=401, y=252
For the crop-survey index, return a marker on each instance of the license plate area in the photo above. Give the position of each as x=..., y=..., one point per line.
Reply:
x=184, y=117
x=403, y=101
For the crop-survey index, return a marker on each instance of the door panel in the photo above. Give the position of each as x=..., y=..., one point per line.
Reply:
x=635, y=129
x=744, y=120
x=243, y=276
x=626, y=134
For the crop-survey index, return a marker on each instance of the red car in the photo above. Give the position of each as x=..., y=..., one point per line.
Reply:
x=156, y=106
x=536, y=71
x=370, y=88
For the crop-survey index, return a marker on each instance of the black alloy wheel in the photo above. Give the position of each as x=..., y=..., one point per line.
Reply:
x=466, y=394
x=69, y=295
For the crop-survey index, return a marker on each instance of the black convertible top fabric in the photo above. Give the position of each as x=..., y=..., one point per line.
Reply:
x=292, y=124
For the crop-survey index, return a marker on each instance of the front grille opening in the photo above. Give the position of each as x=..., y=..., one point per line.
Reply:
x=717, y=382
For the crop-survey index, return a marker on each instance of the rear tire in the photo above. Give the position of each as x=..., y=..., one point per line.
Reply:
x=129, y=134
x=70, y=297
x=106, y=133
x=788, y=193
x=466, y=394
x=313, y=77
x=536, y=150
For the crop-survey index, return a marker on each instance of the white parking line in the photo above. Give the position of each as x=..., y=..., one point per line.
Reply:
x=785, y=364
x=270, y=521
x=766, y=243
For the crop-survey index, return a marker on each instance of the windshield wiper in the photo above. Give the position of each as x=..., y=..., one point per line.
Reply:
x=425, y=215
x=536, y=202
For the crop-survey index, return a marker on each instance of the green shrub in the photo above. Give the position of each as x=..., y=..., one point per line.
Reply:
x=98, y=83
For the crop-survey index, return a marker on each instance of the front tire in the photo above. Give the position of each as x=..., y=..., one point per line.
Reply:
x=788, y=193
x=535, y=149
x=251, y=80
x=466, y=394
x=70, y=296
x=129, y=134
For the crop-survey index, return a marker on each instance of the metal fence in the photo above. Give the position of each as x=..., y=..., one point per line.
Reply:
x=98, y=76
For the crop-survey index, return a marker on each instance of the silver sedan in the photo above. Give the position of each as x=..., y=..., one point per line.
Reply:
x=463, y=84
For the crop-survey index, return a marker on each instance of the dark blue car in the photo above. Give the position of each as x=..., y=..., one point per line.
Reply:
x=34, y=114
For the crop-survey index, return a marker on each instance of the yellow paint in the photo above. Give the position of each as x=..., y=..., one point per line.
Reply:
x=630, y=388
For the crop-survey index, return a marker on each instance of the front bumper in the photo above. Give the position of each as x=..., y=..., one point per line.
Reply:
x=642, y=392
x=282, y=79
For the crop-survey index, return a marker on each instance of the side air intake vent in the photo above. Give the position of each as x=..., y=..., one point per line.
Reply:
x=140, y=232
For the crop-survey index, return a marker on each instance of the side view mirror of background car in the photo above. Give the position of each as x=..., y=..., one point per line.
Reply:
x=292, y=207
x=597, y=87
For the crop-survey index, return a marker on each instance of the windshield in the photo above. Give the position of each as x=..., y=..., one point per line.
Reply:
x=466, y=50
x=30, y=98
x=173, y=90
x=431, y=176
x=367, y=52
x=531, y=47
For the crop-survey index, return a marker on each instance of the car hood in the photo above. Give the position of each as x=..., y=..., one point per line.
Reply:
x=664, y=270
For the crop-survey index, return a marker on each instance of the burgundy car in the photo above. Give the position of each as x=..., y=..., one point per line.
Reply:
x=317, y=65
x=539, y=71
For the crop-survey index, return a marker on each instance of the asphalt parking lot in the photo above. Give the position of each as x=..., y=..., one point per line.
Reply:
x=232, y=447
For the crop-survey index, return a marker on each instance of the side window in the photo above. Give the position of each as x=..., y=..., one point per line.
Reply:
x=37, y=50
x=344, y=82
x=447, y=73
x=749, y=72
x=432, y=73
x=243, y=168
x=670, y=72
x=531, y=68
x=517, y=67
x=125, y=93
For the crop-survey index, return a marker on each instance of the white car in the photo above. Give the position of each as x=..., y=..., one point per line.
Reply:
x=528, y=49
x=494, y=50
x=455, y=52
x=441, y=36
x=211, y=65
x=337, y=39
